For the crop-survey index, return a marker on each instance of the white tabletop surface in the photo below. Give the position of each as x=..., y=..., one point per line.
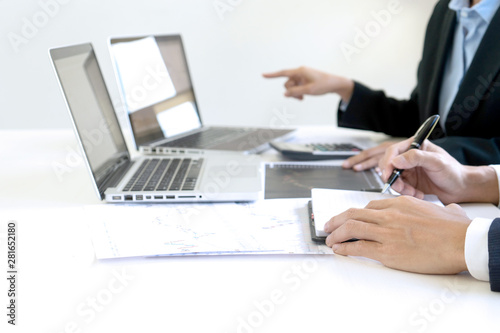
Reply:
x=63, y=288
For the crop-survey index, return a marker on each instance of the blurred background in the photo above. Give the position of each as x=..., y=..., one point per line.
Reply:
x=228, y=43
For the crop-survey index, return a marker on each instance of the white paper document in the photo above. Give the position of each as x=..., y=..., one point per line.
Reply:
x=269, y=226
x=326, y=203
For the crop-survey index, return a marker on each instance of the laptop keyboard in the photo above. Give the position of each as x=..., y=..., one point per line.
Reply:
x=206, y=139
x=175, y=174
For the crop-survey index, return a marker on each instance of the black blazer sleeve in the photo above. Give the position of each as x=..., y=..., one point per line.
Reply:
x=374, y=111
x=472, y=151
x=494, y=254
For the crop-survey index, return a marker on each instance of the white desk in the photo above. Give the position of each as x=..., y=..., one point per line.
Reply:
x=62, y=288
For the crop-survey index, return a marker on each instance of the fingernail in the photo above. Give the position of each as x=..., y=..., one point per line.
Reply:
x=335, y=247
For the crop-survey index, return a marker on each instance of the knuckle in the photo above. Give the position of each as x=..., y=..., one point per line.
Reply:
x=359, y=248
x=357, y=158
x=413, y=155
x=372, y=204
x=349, y=225
x=354, y=247
x=406, y=199
x=391, y=149
x=453, y=206
x=351, y=213
x=358, y=245
x=388, y=144
x=340, y=248
x=373, y=161
x=368, y=152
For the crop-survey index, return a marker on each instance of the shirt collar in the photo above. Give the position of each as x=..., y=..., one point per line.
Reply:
x=486, y=9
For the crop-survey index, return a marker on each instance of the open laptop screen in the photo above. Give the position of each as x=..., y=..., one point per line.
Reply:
x=91, y=109
x=154, y=78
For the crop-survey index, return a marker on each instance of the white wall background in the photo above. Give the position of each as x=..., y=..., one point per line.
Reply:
x=227, y=52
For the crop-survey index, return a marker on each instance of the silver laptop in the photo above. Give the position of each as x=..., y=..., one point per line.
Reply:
x=157, y=91
x=117, y=177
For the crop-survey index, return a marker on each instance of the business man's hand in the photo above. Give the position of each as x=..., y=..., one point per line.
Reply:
x=368, y=158
x=404, y=233
x=431, y=170
x=307, y=81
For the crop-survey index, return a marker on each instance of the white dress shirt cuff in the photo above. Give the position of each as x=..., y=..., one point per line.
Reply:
x=343, y=106
x=476, y=248
x=497, y=169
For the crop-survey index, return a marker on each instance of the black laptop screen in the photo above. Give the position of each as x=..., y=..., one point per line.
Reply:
x=153, y=74
x=91, y=108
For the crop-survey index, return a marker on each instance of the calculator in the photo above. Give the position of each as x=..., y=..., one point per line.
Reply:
x=316, y=151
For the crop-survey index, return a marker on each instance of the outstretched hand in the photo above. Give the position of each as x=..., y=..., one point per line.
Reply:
x=307, y=81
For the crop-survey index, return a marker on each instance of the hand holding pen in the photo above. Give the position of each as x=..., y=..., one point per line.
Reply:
x=422, y=134
x=431, y=170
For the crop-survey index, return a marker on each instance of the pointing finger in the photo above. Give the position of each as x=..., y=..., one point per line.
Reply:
x=283, y=73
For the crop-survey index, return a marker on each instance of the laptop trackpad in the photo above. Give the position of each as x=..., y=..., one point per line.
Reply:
x=233, y=170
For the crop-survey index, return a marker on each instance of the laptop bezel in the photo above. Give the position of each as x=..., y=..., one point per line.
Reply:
x=124, y=159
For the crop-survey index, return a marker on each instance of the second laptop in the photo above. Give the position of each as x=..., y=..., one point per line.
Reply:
x=155, y=83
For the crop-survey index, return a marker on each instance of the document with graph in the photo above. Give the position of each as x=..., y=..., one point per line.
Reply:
x=271, y=226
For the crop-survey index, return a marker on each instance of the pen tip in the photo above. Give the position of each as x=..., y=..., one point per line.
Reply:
x=386, y=187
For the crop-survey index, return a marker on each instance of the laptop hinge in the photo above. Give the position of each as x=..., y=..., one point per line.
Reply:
x=114, y=177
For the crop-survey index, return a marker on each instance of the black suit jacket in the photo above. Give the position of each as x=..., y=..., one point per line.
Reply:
x=472, y=131
x=494, y=254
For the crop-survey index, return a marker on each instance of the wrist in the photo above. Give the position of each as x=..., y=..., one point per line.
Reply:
x=481, y=185
x=344, y=87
